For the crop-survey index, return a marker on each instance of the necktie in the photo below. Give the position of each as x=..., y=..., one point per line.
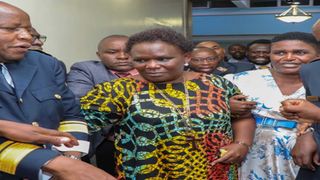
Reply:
x=5, y=77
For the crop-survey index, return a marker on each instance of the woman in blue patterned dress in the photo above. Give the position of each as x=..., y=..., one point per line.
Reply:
x=170, y=124
x=275, y=136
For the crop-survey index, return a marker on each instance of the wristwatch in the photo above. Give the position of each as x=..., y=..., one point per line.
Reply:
x=72, y=156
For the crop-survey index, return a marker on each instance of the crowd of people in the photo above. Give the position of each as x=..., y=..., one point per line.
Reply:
x=156, y=106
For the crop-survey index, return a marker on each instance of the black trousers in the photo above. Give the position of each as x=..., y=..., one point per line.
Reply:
x=307, y=174
x=105, y=157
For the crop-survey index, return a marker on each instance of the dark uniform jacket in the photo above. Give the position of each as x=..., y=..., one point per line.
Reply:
x=231, y=68
x=310, y=75
x=40, y=97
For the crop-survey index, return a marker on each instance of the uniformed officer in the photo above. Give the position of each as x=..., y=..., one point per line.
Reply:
x=33, y=92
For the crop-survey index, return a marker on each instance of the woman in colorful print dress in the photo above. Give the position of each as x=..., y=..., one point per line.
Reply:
x=170, y=124
x=275, y=136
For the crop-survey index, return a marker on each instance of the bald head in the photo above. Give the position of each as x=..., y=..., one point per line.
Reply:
x=6, y=8
x=215, y=46
x=9, y=12
x=15, y=37
x=111, y=38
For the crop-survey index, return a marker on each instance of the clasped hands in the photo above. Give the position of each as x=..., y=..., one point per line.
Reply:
x=300, y=110
x=304, y=153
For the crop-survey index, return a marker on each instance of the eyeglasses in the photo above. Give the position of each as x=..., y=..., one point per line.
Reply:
x=202, y=60
x=41, y=38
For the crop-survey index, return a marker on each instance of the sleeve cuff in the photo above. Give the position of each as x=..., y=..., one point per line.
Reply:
x=73, y=126
x=83, y=147
x=23, y=160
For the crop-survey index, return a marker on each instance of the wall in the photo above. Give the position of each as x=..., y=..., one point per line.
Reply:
x=74, y=27
x=237, y=24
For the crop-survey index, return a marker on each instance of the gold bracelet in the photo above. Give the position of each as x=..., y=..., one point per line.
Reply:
x=244, y=144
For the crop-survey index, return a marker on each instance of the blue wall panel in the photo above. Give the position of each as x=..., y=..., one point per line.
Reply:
x=207, y=22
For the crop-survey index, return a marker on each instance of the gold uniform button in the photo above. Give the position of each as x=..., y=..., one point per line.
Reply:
x=35, y=124
x=57, y=96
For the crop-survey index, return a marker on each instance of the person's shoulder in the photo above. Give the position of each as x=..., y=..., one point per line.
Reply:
x=125, y=81
x=247, y=74
x=212, y=77
x=312, y=66
x=32, y=54
x=39, y=58
x=89, y=64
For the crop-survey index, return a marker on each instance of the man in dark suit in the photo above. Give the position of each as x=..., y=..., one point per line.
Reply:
x=307, y=148
x=114, y=63
x=258, y=53
x=83, y=76
x=224, y=67
x=33, y=92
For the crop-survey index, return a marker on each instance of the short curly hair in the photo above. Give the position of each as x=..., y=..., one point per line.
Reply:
x=300, y=36
x=167, y=35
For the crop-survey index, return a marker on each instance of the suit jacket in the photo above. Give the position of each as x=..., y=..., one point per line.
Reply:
x=310, y=77
x=40, y=97
x=83, y=76
x=232, y=68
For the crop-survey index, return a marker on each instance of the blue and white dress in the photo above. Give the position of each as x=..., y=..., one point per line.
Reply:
x=269, y=158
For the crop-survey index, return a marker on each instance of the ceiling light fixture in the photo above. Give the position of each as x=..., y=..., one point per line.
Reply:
x=294, y=14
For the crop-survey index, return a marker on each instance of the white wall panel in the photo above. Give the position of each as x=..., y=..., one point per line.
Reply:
x=74, y=27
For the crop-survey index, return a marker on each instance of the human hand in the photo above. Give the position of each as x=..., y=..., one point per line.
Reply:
x=301, y=110
x=304, y=152
x=240, y=107
x=233, y=153
x=63, y=168
x=34, y=134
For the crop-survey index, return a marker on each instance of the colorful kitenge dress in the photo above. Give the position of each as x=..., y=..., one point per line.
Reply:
x=152, y=139
x=269, y=158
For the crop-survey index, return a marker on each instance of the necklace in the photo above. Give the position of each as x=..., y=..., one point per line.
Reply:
x=185, y=114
